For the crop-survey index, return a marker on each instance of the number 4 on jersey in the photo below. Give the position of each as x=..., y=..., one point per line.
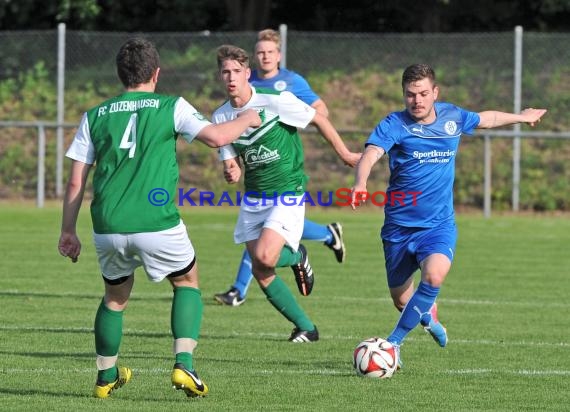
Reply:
x=129, y=140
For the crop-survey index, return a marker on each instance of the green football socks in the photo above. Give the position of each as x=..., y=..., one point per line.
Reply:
x=288, y=257
x=108, y=334
x=186, y=319
x=280, y=296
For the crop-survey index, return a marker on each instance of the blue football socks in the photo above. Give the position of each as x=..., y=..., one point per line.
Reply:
x=417, y=308
x=315, y=231
x=244, y=275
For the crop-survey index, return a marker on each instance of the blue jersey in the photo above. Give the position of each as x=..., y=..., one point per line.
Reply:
x=287, y=80
x=422, y=164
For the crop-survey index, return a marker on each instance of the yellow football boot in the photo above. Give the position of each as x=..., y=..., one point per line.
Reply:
x=104, y=389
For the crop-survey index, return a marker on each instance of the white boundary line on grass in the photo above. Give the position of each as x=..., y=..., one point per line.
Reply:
x=324, y=372
x=523, y=372
x=359, y=299
x=448, y=301
x=207, y=334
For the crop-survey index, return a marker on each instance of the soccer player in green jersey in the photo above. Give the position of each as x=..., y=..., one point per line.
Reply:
x=268, y=74
x=271, y=216
x=132, y=139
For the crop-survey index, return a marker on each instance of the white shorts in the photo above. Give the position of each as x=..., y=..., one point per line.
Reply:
x=286, y=218
x=160, y=253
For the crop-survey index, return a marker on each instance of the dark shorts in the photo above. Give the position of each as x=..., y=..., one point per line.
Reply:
x=408, y=247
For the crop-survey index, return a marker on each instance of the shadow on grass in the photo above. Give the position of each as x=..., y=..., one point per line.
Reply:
x=28, y=391
x=123, y=397
x=73, y=295
x=43, y=355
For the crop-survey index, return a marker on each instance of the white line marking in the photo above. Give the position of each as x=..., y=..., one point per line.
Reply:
x=325, y=372
x=358, y=299
x=508, y=372
x=206, y=334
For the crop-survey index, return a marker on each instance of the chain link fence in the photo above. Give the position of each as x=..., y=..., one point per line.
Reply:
x=357, y=74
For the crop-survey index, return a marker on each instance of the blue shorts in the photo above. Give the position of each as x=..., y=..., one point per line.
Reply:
x=405, y=248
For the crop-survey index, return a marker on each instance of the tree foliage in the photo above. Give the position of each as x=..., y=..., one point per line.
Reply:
x=315, y=15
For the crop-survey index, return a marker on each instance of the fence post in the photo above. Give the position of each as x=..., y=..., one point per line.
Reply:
x=283, y=34
x=60, y=108
x=40, y=195
x=487, y=177
x=517, y=127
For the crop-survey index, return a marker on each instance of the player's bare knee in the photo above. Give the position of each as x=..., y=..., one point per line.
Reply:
x=434, y=278
x=263, y=261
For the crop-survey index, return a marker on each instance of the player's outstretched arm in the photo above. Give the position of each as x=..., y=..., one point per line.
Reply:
x=69, y=244
x=327, y=130
x=221, y=134
x=371, y=155
x=492, y=118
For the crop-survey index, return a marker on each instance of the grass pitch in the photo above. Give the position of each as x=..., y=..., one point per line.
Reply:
x=504, y=304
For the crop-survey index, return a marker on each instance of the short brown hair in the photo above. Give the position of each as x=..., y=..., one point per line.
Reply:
x=270, y=35
x=417, y=72
x=229, y=52
x=137, y=60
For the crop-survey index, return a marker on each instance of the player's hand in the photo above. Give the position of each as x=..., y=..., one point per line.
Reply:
x=532, y=116
x=69, y=246
x=359, y=195
x=232, y=172
x=253, y=117
x=351, y=159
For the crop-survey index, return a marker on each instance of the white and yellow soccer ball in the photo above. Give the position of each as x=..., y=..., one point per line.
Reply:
x=375, y=358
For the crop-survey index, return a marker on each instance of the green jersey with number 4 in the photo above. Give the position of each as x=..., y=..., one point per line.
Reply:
x=132, y=141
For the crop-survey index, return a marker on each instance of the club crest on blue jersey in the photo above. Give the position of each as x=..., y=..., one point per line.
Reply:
x=450, y=127
x=280, y=85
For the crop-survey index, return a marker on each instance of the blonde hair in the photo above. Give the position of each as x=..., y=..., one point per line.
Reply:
x=270, y=35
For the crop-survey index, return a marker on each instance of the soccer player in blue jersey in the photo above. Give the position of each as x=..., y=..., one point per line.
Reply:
x=419, y=227
x=269, y=75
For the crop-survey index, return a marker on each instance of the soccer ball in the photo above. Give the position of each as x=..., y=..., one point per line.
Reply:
x=375, y=358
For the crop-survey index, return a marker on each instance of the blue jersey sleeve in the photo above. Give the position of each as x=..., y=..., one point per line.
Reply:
x=470, y=121
x=300, y=88
x=384, y=135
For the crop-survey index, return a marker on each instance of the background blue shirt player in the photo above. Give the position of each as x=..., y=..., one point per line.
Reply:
x=269, y=75
x=422, y=142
